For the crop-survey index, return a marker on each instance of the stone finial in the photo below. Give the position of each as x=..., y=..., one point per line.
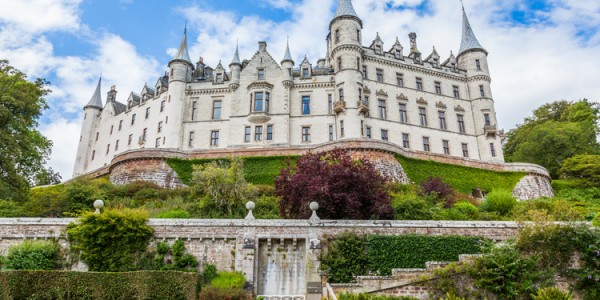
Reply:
x=98, y=205
x=314, y=206
x=250, y=207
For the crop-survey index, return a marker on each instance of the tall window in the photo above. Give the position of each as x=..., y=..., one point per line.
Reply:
x=144, y=134
x=461, y=123
x=191, y=139
x=247, y=134
x=341, y=94
x=194, y=109
x=159, y=129
x=339, y=63
x=261, y=74
x=455, y=91
x=93, y=154
x=305, y=73
x=478, y=64
x=306, y=134
x=219, y=78
x=111, y=128
x=465, y=150
x=342, y=128
x=269, y=132
x=400, y=79
x=384, y=135
x=330, y=133
x=358, y=63
x=120, y=124
x=258, y=133
x=382, y=110
x=368, y=132
x=337, y=35
x=97, y=136
x=405, y=140
x=132, y=119
x=419, y=84
x=481, y=90
x=147, y=112
x=107, y=149
x=216, y=113
x=486, y=119
x=329, y=103
x=162, y=105
x=446, y=145
x=493, y=149
x=364, y=72
x=442, y=119
x=306, y=105
x=129, y=140
x=397, y=54
x=117, y=145
x=438, y=87
x=157, y=142
x=403, y=114
x=422, y=116
x=378, y=49
x=214, y=138
x=261, y=102
x=426, y=144
x=379, y=75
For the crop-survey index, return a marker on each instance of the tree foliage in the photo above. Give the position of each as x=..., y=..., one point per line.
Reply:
x=344, y=188
x=23, y=149
x=556, y=132
x=583, y=168
x=33, y=255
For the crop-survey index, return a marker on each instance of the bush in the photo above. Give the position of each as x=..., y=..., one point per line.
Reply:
x=435, y=186
x=349, y=296
x=410, y=206
x=596, y=220
x=112, y=241
x=33, y=255
x=583, y=168
x=173, y=214
x=346, y=257
x=209, y=273
x=500, y=201
x=228, y=280
x=554, y=244
x=343, y=187
x=213, y=293
x=552, y=293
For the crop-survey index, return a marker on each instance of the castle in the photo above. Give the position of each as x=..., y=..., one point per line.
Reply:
x=381, y=97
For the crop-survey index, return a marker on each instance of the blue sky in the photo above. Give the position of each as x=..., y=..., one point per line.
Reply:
x=540, y=50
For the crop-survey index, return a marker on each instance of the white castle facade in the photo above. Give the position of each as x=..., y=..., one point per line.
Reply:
x=422, y=103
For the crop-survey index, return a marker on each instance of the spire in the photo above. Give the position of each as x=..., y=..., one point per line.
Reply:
x=469, y=41
x=96, y=100
x=236, y=57
x=288, y=55
x=182, y=53
x=345, y=8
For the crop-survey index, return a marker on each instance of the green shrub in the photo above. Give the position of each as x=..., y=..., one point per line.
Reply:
x=11, y=209
x=554, y=244
x=584, y=168
x=214, y=293
x=552, y=293
x=173, y=214
x=112, y=241
x=209, y=273
x=346, y=257
x=33, y=255
x=596, y=220
x=228, y=280
x=410, y=206
x=500, y=201
x=349, y=296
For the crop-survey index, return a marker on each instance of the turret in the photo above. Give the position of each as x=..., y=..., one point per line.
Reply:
x=236, y=67
x=181, y=66
x=288, y=64
x=91, y=112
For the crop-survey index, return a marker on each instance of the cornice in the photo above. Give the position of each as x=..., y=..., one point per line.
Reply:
x=415, y=68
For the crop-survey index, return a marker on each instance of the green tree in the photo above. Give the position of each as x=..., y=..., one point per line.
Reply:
x=23, y=149
x=584, y=168
x=556, y=131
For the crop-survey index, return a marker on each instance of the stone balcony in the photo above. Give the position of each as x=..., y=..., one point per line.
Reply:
x=339, y=106
x=363, y=106
x=490, y=130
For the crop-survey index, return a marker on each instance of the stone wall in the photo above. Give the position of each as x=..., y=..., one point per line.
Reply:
x=533, y=186
x=155, y=170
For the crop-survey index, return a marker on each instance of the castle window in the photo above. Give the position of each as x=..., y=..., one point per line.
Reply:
x=261, y=102
x=305, y=73
x=422, y=116
x=97, y=135
x=330, y=133
x=258, y=133
x=481, y=90
x=341, y=93
x=129, y=140
x=442, y=119
x=486, y=119
x=446, y=145
x=219, y=78
x=93, y=154
x=157, y=143
x=368, y=132
x=492, y=149
x=306, y=105
x=337, y=35
x=384, y=135
x=465, y=150
x=342, y=128
x=107, y=149
x=329, y=103
x=378, y=49
x=159, y=130
x=194, y=110
x=216, y=113
x=144, y=133
x=362, y=128
x=191, y=139
x=461, y=123
x=455, y=91
x=478, y=64
x=405, y=140
x=214, y=138
x=419, y=84
x=403, y=114
x=111, y=128
x=358, y=63
x=117, y=145
x=85, y=116
x=261, y=74
x=305, y=134
x=120, y=124
x=247, y=134
x=164, y=140
x=132, y=119
x=438, y=87
x=382, y=110
x=364, y=72
x=339, y=63
x=379, y=74
x=147, y=112
x=400, y=79
x=269, y=132
x=162, y=105
x=426, y=144
x=398, y=54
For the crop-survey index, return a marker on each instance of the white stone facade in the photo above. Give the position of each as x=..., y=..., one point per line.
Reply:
x=353, y=93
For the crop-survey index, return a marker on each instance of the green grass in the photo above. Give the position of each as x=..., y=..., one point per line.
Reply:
x=463, y=179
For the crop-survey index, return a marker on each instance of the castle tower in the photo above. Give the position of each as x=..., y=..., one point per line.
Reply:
x=288, y=64
x=236, y=67
x=345, y=54
x=472, y=57
x=91, y=113
x=180, y=73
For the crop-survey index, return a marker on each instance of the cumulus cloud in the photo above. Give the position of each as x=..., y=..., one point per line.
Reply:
x=41, y=15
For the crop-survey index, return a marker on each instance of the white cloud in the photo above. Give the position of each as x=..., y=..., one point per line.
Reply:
x=41, y=15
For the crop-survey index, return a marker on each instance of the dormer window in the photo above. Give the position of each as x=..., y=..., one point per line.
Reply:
x=305, y=73
x=378, y=49
x=261, y=74
x=398, y=54
x=436, y=62
x=219, y=78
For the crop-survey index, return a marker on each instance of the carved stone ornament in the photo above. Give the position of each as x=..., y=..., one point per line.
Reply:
x=366, y=90
x=459, y=108
x=402, y=97
x=440, y=104
x=421, y=101
x=381, y=93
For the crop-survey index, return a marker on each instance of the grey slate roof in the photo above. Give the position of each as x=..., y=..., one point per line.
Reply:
x=345, y=8
x=469, y=41
x=96, y=100
x=236, y=57
x=118, y=107
x=288, y=55
x=182, y=53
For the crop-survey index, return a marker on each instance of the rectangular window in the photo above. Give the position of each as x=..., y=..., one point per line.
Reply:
x=400, y=79
x=159, y=130
x=258, y=133
x=442, y=119
x=438, y=87
x=144, y=134
x=405, y=140
x=219, y=78
x=465, y=150
x=129, y=140
x=111, y=128
x=486, y=119
x=306, y=134
x=162, y=105
x=382, y=110
x=341, y=94
x=398, y=54
x=337, y=35
x=378, y=49
x=269, y=132
x=216, y=114
x=214, y=138
x=97, y=136
x=147, y=112
x=422, y=116
x=461, y=123
x=368, y=132
x=330, y=133
x=364, y=72
x=306, y=105
x=481, y=90
x=247, y=134
x=120, y=124
x=426, y=144
x=403, y=114
x=339, y=63
x=446, y=145
x=342, y=128
x=329, y=103
x=455, y=91
x=478, y=64
x=191, y=139
x=132, y=119
x=258, y=101
x=93, y=154
x=305, y=73
x=117, y=145
x=157, y=142
x=194, y=110
x=379, y=75
x=261, y=74
x=384, y=135
x=107, y=149
x=493, y=149
x=419, y=84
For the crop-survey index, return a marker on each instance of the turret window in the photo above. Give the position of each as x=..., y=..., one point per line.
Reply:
x=492, y=149
x=339, y=63
x=478, y=64
x=481, y=90
x=364, y=72
x=486, y=119
x=194, y=110
x=341, y=94
x=337, y=35
x=384, y=135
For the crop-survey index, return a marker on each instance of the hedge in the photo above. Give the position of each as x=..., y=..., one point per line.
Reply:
x=65, y=285
x=257, y=170
x=463, y=179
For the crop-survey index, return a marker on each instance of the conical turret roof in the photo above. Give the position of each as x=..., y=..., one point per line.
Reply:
x=236, y=57
x=96, y=100
x=288, y=55
x=345, y=8
x=182, y=53
x=469, y=41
